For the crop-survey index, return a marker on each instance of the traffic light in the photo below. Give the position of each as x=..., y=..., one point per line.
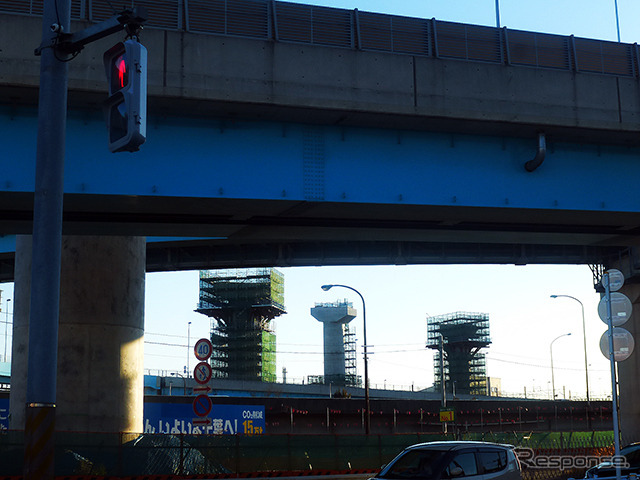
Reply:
x=126, y=108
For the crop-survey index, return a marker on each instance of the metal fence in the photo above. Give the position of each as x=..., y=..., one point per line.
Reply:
x=126, y=455
x=354, y=29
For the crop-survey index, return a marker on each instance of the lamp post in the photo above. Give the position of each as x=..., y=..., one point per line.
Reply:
x=367, y=417
x=184, y=382
x=617, y=20
x=6, y=324
x=584, y=340
x=498, y=13
x=188, y=346
x=553, y=381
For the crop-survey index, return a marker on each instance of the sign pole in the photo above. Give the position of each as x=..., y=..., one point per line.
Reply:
x=614, y=383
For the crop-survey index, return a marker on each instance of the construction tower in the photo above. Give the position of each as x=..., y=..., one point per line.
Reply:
x=460, y=336
x=339, y=342
x=241, y=304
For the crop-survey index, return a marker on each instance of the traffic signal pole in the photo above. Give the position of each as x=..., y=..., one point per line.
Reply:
x=56, y=48
x=47, y=241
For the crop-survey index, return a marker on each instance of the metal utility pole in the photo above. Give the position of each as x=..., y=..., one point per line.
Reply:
x=47, y=244
x=553, y=381
x=443, y=402
x=6, y=326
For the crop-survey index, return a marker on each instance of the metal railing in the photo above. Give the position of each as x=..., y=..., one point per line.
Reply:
x=354, y=29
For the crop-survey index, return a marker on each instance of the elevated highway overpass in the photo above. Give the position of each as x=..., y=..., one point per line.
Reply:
x=283, y=134
x=291, y=94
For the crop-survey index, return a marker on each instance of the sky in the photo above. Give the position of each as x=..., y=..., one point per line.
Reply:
x=524, y=320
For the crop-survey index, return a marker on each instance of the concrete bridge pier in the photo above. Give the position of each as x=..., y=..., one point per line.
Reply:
x=100, y=377
x=333, y=316
x=629, y=373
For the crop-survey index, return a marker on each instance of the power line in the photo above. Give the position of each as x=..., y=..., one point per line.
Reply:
x=541, y=366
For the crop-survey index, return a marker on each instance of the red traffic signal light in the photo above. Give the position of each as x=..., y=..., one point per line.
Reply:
x=126, y=108
x=120, y=74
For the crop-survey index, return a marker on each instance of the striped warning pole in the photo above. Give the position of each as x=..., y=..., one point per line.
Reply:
x=39, y=442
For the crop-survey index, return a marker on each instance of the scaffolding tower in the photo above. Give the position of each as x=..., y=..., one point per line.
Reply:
x=241, y=304
x=351, y=377
x=462, y=334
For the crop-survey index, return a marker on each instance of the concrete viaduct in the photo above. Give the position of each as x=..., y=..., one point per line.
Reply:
x=291, y=141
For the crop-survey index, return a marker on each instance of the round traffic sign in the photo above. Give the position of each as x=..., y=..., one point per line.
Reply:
x=616, y=279
x=623, y=344
x=203, y=349
x=202, y=405
x=202, y=373
x=621, y=309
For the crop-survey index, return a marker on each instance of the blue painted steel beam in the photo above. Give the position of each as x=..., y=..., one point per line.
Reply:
x=272, y=161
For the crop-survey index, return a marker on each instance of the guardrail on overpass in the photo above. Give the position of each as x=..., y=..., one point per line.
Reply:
x=354, y=29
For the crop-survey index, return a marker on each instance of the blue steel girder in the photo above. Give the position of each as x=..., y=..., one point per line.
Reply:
x=274, y=183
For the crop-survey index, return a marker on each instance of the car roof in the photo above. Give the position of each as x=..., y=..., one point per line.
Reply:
x=455, y=445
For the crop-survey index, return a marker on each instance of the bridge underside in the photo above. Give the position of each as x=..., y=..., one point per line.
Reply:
x=189, y=233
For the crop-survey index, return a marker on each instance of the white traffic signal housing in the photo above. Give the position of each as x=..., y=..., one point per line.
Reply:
x=126, y=108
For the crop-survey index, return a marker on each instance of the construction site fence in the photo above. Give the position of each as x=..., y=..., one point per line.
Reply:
x=228, y=456
x=354, y=29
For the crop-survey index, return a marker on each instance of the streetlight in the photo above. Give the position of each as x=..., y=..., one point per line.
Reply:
x=617, y=20
x=367, y=417
x=184, y=382
x=188, y=346
x=584, y=339
x=553, y=381
x=6, y=323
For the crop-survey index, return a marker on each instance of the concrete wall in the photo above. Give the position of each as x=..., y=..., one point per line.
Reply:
x=226, y=76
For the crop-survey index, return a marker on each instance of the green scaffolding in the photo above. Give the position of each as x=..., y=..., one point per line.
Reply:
x=241, y=304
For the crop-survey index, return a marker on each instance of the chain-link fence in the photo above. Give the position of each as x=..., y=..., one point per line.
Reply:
x=126, y=455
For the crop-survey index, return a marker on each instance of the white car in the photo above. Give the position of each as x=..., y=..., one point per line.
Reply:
x=454, y=460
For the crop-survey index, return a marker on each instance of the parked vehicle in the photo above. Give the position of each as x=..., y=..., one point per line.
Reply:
x=630, y=463
x=454, y=460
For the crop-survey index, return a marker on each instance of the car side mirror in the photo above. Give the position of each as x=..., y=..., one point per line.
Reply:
x=456, y=472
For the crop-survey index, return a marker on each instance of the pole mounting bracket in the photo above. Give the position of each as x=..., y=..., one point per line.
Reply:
x=131, y=20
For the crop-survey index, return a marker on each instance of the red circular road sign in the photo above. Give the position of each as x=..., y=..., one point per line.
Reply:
x=202, y=405
x=202, y=373
x=203, y=349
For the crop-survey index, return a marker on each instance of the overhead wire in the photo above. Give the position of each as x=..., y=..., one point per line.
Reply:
x=490, y=357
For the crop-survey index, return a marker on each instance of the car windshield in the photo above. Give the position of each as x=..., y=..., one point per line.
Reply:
x=632, y=454
x=416, y=464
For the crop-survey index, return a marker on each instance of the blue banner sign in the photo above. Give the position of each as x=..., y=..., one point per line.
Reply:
x=4, y=414
x=225, y=419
